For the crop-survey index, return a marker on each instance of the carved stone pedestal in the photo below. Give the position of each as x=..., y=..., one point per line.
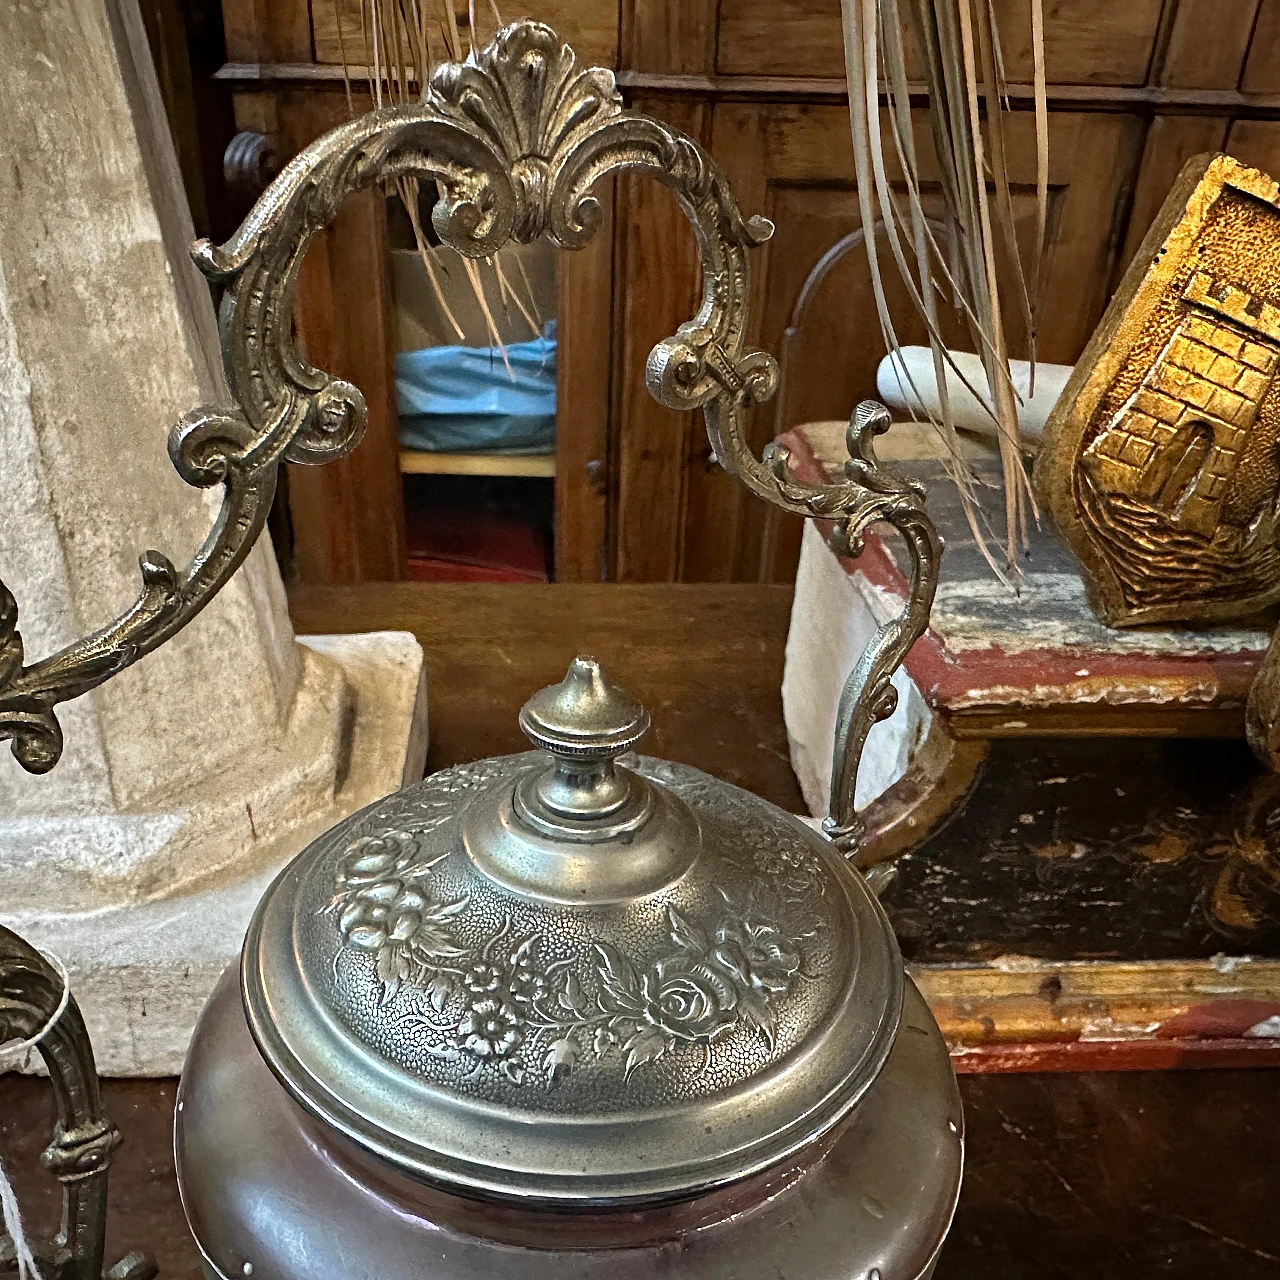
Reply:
x=189, y=779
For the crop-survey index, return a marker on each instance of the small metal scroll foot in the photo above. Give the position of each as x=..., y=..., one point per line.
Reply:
x=134, y=1266
x=32, y=1008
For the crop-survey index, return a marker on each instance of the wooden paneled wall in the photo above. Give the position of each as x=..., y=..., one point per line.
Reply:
x=1136, y=87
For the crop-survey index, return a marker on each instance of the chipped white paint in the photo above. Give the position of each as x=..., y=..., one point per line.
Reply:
x=1051, y=612
x=1113, y=691
x=1094, y=1029
x=1015, y=964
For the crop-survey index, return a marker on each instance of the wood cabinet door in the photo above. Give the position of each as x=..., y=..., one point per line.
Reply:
x=794, y=163
x=1102, y=42
x=1135, y=88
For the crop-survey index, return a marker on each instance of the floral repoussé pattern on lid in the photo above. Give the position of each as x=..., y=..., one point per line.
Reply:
x=505, y=1007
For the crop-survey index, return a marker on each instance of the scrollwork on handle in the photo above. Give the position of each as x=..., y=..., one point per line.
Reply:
x=514, y=139
x=869, y=494
x=83, y=1137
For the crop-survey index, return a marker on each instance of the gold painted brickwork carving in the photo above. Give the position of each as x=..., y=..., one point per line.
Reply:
x=1161, y=461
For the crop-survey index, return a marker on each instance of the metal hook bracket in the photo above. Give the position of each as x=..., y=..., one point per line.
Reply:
x=31, y=992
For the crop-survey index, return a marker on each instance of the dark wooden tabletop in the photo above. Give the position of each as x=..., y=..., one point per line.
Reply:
x=1140, y=1175
x=705, y=660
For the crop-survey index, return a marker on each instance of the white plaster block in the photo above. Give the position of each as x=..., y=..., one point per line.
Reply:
x=191, y=778
x=107, y=336
x=142, y=964
x=387, y=683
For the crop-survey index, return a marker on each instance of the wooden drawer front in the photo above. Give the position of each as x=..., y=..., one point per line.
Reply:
x=1086, y=41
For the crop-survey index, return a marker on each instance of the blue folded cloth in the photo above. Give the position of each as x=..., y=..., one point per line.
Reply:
x=466, y=399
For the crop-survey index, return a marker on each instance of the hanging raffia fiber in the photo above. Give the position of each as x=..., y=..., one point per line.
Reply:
x=963, y=66
x=399, y=40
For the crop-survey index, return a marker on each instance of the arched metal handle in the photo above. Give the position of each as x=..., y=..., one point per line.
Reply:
x=515, y=139
x=83, y=1137
x=883, y=496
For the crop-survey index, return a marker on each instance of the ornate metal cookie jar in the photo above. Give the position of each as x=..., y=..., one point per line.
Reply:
x=571, y=1013
x=580, y=1015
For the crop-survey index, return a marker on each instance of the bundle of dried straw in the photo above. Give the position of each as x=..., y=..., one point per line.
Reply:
x=400, y=41
x=963, y=66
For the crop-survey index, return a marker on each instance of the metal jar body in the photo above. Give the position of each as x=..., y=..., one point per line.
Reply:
x=574, y=1013
x=271, y=1193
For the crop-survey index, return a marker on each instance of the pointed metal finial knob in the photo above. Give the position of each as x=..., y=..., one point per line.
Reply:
x=586, y=714
x=585, y=721
x=582, y=827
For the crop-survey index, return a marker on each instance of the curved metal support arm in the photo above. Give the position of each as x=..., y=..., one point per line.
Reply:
x=514, y=139
x=83, y=1137
x=871, y=494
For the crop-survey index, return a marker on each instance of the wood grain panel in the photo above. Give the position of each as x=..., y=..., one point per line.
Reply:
x=167, y=39
x=257, y=111
x=267, y=30
x=1171, y=141
x=1086, y=41
x=808, y=143
x=706, y=660
x=591, y=26
x=724, y=524
x=1256, y=142
x=583, y=376
x=659, y=280
x=1093, y=165
x=347, y=516
x=1262, y=65
x=675, y=36
x=1208, y=41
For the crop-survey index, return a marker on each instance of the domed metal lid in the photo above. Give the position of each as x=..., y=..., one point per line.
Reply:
x=574, y=980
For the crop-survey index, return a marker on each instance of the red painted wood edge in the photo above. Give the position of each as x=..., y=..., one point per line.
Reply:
x=954, y=680
x=1117, y=1055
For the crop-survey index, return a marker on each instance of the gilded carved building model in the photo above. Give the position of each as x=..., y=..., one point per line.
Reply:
x=1178, y=443
x=1161, y=462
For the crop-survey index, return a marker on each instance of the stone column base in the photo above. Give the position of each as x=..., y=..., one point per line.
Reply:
x=144, y=954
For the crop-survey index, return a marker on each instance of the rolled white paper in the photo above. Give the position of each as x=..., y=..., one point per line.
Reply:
x=906, y=382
